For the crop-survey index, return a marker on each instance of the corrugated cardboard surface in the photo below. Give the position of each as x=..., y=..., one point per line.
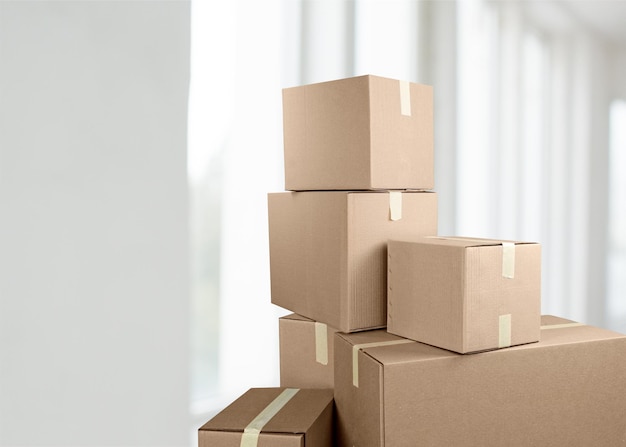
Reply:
x=232, y=439
x=451, y=293
x=350, y=134
x=299, y=366
x=305, y=420
x=566, y=390
x=328, y=252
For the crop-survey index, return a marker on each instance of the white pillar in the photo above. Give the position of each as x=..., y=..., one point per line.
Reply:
x=94, y=300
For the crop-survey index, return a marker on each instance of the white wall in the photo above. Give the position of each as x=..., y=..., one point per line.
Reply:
x=93, y=223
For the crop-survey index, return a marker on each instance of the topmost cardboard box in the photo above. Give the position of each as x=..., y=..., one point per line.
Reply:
x=361, y=133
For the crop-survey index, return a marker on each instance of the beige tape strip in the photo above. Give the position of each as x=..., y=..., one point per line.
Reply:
x=504, y=331
x=405, y=98
x=321, y=343
x=472, y=242
x=250, y=437
x=395, y=205
x=563, y=325
x=357, y=348
x=508, y=260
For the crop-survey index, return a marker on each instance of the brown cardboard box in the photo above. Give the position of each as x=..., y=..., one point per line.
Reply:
x=366, y=132
x=465, y=295
x=273, y=417
x=568, y=390
x=328, y=251
x=306, y=353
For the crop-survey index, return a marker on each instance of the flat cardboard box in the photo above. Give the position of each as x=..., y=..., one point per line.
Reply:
x=328, y=251
x=568, y=389
x=306, y=353
x=366, y=132
x=464, y=294
x=303, y=419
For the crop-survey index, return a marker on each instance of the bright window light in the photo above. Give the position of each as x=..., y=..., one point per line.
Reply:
x=616, y=302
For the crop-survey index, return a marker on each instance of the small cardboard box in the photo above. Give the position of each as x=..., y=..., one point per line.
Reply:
x=465, y=295
x=273, y=417
x=306, y=352
x=566, y=390
x=365, y=132
x=328, y=251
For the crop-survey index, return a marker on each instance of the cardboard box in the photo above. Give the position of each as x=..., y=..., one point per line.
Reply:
x=273, y=417
x=566, y=390
x=328, y=251
x=306, y=353
x=365, y=132
x=463, y=294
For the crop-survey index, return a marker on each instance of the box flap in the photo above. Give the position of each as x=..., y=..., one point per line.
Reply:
x=387, y=348
x=554, y=331
x=298, y=414
x=550, y=320
x=560, y=331
x=358, y=338
x=458, y=241
x=295, y=317
x=355, y=78
x=301, y=412
x=387, y=191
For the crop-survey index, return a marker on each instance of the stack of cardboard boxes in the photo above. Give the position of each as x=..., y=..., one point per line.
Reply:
x=466, y=359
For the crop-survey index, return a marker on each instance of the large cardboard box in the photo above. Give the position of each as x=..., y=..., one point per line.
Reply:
x=567, y=390
x=328, y=251
x=365, y=132
x=463, y=294
x=273, y=417
x=306, y=352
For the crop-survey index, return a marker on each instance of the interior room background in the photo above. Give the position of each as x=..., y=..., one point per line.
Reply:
x=138, y=141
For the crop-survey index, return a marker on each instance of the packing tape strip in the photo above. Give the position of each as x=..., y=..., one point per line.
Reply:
x=395, y=205
x=508, y=260
x=250, y=437
x=508, y=254
x=357, y=348
x=504, y=331
x=321, y=343
x=473, y=241
x=563, y=325
x=405, y=98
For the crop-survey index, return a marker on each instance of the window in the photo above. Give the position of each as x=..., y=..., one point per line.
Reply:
x=521, y=139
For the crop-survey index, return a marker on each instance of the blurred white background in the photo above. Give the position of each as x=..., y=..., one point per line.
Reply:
x=138, y=141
